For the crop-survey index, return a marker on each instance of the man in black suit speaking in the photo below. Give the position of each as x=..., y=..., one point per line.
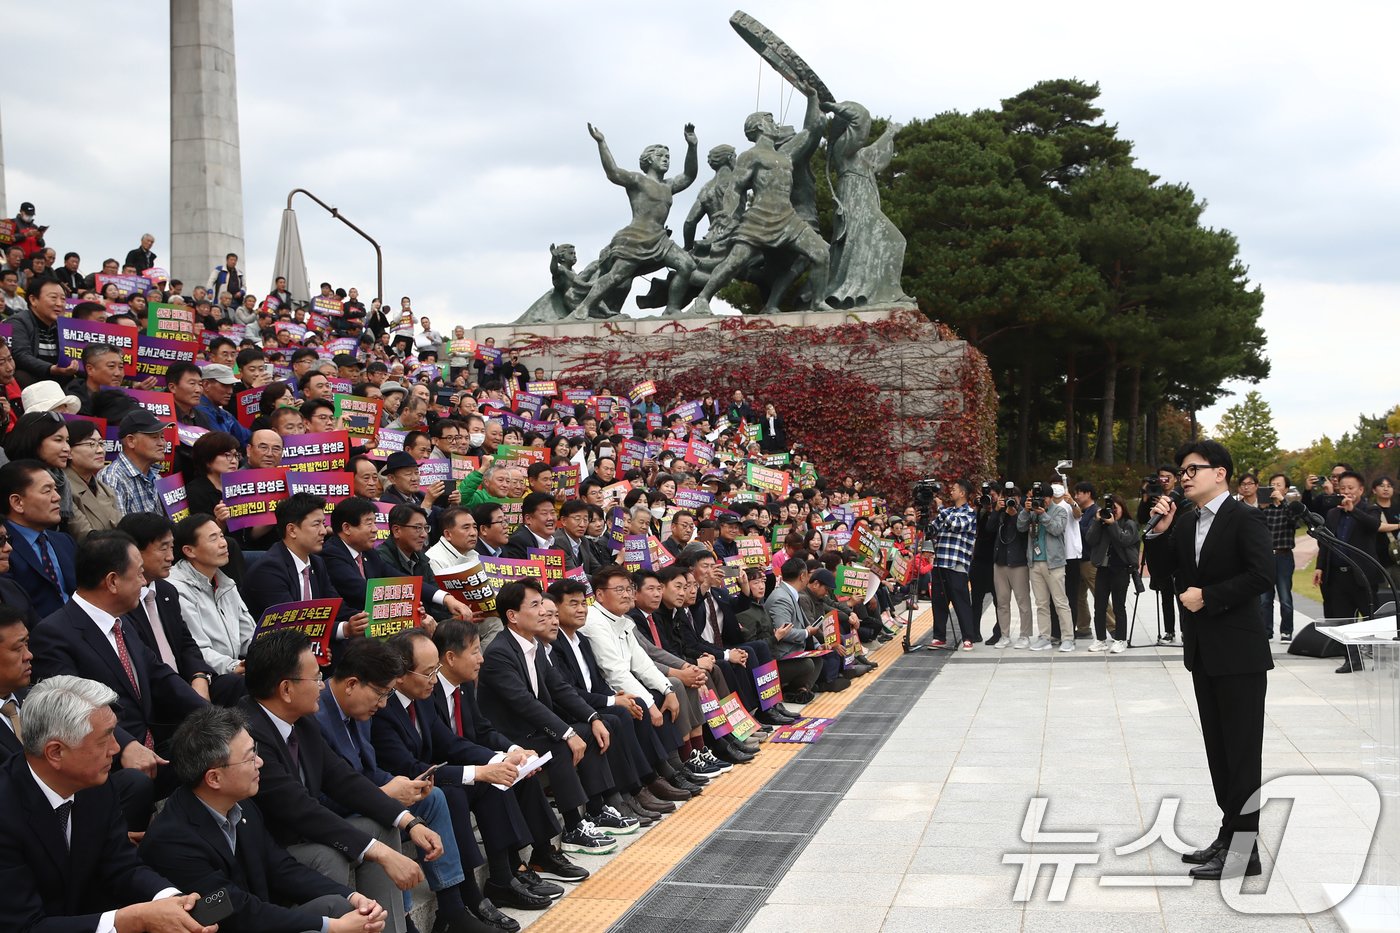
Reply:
x=1219, y=559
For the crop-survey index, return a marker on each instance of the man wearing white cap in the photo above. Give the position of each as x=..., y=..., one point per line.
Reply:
x=218, y=384
x=133, y=474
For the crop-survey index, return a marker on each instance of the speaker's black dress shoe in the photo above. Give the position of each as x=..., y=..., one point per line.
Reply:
x=1201, y=856
x=1217, y=867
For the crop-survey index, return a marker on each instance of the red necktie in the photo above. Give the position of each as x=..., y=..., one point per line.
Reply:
x=655, y=635
x=413, y=716
x=125, y=657
x=360, y=562
x=457, y=702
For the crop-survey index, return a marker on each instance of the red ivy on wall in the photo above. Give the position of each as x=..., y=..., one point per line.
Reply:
x=839, y=417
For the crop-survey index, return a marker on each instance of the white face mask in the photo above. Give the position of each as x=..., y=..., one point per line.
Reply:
x=476, y=439
x=658, y=511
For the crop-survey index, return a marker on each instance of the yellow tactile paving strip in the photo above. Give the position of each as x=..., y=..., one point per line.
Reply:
x=602, y=899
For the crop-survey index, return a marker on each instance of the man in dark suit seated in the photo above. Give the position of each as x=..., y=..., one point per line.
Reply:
x=210, y=835
x=65, y=861
x=454, y=701
x=537, y=528
x=642, y=742
x=404, y=555
x=11, y=593
x=531, y=704
x=166, y=634
x=89, y=637
x=569, y=537
x=15, y=667
x=284, y=686
x=41, y=563
x=364, y=680
x=292, y=569
x=350, y=558
x=411, y=736
x=1219, y=560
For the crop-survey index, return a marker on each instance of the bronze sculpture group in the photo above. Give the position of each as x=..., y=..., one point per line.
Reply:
x=761, y=211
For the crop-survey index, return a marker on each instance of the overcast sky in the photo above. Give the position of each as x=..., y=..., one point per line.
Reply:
x=455, y=134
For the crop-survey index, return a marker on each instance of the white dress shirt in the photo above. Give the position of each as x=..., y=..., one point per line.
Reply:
x=104, y=620
x=1205, y=518
x=530, y=648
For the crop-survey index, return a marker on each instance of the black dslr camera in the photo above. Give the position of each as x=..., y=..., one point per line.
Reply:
x=1105, y=508
x=1036, y=499
x=984, y=501
x=1152, y=490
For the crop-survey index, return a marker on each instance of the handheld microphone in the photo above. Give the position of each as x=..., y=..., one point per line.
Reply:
x=1298, y=511
x=1176, y=496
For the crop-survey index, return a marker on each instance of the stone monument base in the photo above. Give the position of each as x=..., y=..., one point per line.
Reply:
x=936, y=388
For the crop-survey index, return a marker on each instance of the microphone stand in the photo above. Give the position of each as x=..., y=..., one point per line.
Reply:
x=1349, y=552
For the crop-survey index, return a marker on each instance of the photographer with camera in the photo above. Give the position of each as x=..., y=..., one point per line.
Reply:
x=955, y=533
x=983, y=554
x=1044, y=520
x=1112, y=541
x=1282, y=534
x=1153, y=489
x=1081, y=584
x=1322, y=494
x=1011, y=574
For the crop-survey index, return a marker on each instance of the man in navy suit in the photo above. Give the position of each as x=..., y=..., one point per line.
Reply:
x=90, y=638
x=292, y=569
x=350, y=557
x=42, y=560
x=454, y=701
x=1219, y=558
x=528, y=701
x=65, y=858
x=411, y=736
x=363, y=682
x=16, y=664
x=11, y=594
x=210, y=835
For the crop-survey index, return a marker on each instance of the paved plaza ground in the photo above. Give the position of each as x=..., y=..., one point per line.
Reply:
x=899, y=819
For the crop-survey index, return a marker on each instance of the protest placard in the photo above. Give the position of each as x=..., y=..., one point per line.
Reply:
x=774, y=482
x=247, y=405
x=741, y=724
x=73, y=336
x=513, y=513
x=765, y=679
x=693, y=499
x=390, y=441
x=471, y=584
x=688, y=412
x=362, y=415
x=804, y=731
x=7, y=232
x=155, y=355
x=732, y=568
x=172, y=322
x=581, y=576
x=434, y=470
x=642, y=390
x=314, y=618
x=462, y=467
x=526, y=456
x=753, y=551
x=779, y=533
x=484, y=353
x=381, y=521
x=465, y=347
x=853, y=582
x=713, y=715
x=171, y=490
x=701, y=453
x=252, y=495
x=316, y=453
x=328, y=305
x=553, y=561
x=900, y=566
x=298, y=331
x=392, y=604
x=160, y=404
x=615, y=493
x=502, y=570
x=335, y=486
x=566, y=480
x=127, y=285
x=831, y=632
x=774, y=461
x=615, y=534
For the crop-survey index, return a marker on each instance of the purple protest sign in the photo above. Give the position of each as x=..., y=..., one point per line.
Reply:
x=155, y=355
x=171, y=490
x=252, y=495
x=73, y=336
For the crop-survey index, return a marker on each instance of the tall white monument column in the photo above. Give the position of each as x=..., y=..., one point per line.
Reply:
x=206, y=183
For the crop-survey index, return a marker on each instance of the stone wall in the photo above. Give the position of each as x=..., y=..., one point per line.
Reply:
x=939, y=387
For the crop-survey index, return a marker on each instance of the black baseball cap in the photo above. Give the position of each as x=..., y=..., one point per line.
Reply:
x=140, y=422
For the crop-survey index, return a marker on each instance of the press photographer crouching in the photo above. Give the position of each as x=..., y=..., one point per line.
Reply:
x=1112, y=542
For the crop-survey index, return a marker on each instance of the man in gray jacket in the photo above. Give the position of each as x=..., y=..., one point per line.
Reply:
x=1044, y=519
